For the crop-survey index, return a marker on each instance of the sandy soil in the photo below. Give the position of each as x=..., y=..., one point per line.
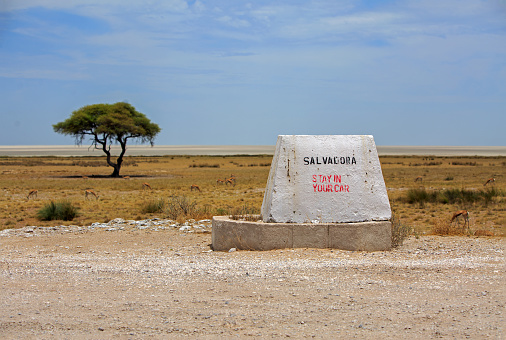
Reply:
x=132, y=283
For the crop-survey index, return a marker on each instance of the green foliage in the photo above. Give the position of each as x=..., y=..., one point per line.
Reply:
x=113, y=123
x=153, y=206
x=107, y=124
x=61, y=210
x=417, y=196
x=399, y=231
x=452, y=196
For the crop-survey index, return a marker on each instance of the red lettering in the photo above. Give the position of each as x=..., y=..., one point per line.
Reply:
x=337, y=178
x=347, y=188
x=314, y=187
x=314, y=178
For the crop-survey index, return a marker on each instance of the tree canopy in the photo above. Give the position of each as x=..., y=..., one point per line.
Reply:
x=108, y=124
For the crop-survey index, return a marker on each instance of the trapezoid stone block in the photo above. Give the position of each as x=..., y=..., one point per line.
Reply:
x=325, y=179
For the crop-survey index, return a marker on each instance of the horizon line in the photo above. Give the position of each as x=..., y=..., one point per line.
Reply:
x=227, y=150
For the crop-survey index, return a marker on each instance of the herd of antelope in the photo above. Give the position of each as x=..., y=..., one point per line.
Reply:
x=89, y=193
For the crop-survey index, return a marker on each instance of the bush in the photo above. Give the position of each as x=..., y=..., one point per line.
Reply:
x=399, y=231
x=153, y=206
x=245, y=213
x=180, y=208
x=61, y=210
x=418, y=196
x=442, y=226
x=451, y=196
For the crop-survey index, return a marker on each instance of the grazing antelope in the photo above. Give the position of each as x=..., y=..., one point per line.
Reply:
x=126, y=177
x=220, y=181
x=90, y=193
x=146, y=186
x=419, y=178
x=195, y=187
x=32, y=193
x=461, y=213
x=489, y=181
x=230, y=180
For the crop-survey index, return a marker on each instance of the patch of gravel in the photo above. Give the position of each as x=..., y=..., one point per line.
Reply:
x=156, y=278
x=117, y=224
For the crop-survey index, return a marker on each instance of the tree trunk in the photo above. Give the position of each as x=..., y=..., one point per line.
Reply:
x=115, y=173
x=119, y=161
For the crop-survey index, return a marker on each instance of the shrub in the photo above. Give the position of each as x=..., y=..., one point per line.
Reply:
x=451, y=196
x=483, y=232
x=489, y=194
x=153, y=206
x=61, y=210
x=204, y=165
x=245, y=213
x=180, y=208
x=442, y=226
x=399, y=231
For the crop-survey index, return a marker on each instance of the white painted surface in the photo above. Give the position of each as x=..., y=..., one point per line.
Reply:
x=325, y=179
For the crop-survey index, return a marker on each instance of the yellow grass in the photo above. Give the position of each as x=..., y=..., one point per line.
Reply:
x=62, y=177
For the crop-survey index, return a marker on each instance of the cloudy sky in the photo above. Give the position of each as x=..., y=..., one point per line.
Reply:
x=242, y=72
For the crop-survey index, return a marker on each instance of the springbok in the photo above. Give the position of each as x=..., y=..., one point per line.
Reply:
x=461, y=213
x=230, y=180
x=146, y=185
x=90, y=193
x=195, y=187
x=489, y=181
x=419, y=178
x=32, y=193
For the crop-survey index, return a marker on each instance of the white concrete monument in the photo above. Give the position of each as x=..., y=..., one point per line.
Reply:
x=322, y=192
x=325, y=179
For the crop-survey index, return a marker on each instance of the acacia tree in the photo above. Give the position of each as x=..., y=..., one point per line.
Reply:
x=108, y=124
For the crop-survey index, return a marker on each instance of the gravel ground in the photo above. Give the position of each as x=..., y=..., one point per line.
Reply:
x=129, y=279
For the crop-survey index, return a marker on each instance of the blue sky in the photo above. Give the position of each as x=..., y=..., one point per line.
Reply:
x=229, y=72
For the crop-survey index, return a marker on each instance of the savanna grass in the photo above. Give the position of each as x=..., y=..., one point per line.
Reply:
x=63, y=177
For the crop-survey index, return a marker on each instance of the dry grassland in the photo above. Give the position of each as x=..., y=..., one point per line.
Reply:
x=62, y=178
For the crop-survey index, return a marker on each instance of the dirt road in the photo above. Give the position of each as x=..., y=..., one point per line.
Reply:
x=137, y=283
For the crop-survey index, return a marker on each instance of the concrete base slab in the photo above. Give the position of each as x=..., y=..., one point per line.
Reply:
x=246, y=235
